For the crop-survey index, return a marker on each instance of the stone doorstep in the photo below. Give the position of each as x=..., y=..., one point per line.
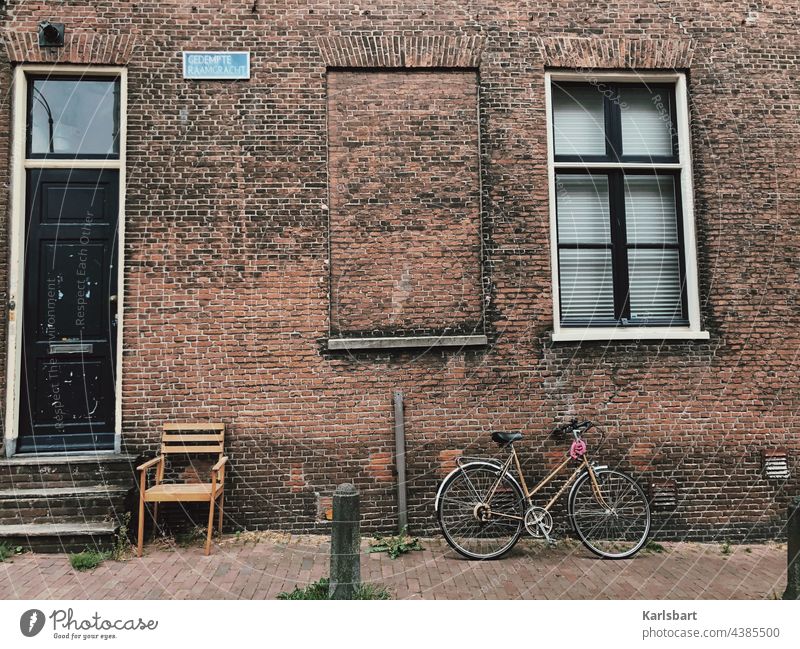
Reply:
x=63, y=532
x=58, y=529
x=61, y=492
x=60, y=458
x=59, y=504
x=60, y=537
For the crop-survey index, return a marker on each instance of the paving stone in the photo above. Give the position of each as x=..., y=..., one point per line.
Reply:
x=261, y=571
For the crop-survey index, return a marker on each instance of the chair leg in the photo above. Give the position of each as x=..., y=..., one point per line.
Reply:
x=155, y=517
x=141, y=525
x=219, y=520
x=210, y=526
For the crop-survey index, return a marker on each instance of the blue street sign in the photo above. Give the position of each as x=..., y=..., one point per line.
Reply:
x=216, y=65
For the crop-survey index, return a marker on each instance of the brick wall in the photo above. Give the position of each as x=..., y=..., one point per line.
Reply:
x=404, y=190
x=228, y=266
x=5, y=156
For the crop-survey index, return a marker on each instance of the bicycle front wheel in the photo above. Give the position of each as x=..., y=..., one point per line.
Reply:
x=616, y=525
x=475, y=525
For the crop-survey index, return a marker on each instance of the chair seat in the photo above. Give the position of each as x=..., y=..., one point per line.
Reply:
x=179, y=492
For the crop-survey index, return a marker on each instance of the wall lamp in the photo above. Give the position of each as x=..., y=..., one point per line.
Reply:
x=51, y=34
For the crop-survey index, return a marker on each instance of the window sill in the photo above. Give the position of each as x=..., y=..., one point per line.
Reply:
x=335, y=344
x=628, y=333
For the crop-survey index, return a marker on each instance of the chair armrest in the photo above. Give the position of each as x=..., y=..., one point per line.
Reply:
x=219, y=464
x=149, y=463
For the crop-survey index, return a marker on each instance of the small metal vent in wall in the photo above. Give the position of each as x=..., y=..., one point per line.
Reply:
x=776, y=464
x=664, y=494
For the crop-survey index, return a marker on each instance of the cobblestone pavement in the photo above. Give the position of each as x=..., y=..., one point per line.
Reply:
x=261, y=565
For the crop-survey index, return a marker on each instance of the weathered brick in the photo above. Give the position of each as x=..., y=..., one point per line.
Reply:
x=231, y=245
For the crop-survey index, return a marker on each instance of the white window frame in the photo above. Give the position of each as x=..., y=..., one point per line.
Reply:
x=20, y=163
x=684, y=166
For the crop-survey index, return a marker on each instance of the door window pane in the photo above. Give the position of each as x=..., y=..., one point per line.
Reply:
x=582, y=208
x=578, y=121
x=587, y=284
x=650, y=209
x=646, y=122
x=76, y=117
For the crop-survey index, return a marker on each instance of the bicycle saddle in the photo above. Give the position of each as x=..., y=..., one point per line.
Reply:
x=506, y=438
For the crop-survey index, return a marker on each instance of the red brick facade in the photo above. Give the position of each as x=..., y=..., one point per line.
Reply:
x=248, y=244
x=404, y=187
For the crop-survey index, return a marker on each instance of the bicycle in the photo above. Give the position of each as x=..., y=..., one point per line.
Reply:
x=482, y=509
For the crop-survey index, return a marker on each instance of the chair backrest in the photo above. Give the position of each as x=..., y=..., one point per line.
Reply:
x=202, y=437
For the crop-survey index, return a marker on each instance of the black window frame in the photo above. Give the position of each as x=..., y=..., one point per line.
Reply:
x=612, y=115
x=32, y=78
x=618, y=243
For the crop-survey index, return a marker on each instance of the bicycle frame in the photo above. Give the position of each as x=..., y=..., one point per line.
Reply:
x=513, y=458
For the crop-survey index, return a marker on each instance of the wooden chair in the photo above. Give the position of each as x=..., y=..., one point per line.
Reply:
x=190, y=438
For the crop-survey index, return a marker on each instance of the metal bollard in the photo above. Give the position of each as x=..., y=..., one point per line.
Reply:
x=793, y=559
x=345, y=543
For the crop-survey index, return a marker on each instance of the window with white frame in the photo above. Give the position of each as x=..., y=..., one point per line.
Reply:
x=623, y=238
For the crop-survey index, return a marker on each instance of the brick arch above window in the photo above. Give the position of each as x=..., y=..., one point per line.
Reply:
x=616, y=53
x=401, y=51
x=79, y=47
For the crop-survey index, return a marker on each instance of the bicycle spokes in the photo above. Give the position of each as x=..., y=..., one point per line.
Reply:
x=475, y=525
x=616, y=524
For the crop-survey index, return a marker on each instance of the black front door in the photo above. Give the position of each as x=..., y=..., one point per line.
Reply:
x=70, y=316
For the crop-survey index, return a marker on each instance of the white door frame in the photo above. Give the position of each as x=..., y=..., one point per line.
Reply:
x=19, y=166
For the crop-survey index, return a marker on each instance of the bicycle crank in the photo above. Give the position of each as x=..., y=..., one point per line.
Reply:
x=538, y=522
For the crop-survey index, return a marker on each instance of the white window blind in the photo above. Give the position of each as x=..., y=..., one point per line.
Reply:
x=578, y=121
x=654, y=275
x=587, y=284
x=650, y=209
x=655, y=286
x=646, y=128
x=582, y=208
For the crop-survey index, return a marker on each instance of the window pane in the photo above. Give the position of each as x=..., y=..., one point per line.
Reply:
x=582, y=208
x=75, y=117
x=578, y=121
x=646, y=122
x=587, y=285
x=655, y=288
x=650, y=209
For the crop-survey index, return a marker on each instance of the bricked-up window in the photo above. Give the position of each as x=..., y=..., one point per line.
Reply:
x=617, y=168
x=404, y=185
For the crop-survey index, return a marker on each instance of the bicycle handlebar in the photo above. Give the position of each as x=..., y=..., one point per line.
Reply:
x=574, y=427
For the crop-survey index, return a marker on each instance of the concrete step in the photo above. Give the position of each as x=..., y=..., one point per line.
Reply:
x=54, y=503
x=61, y=504
x=60, y=492
x=60, y=537
x=48, y=471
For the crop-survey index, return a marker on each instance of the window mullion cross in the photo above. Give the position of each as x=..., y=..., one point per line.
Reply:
x=616, y=196
x=613, y=120
x=619, y=248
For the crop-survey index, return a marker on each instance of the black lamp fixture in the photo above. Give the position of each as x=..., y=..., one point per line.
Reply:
x=51, y=34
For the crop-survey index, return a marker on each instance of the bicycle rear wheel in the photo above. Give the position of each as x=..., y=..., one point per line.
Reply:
x=474, y=528
x=616, y=528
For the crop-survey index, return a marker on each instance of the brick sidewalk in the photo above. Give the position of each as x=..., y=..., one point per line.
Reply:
x=262, y=565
